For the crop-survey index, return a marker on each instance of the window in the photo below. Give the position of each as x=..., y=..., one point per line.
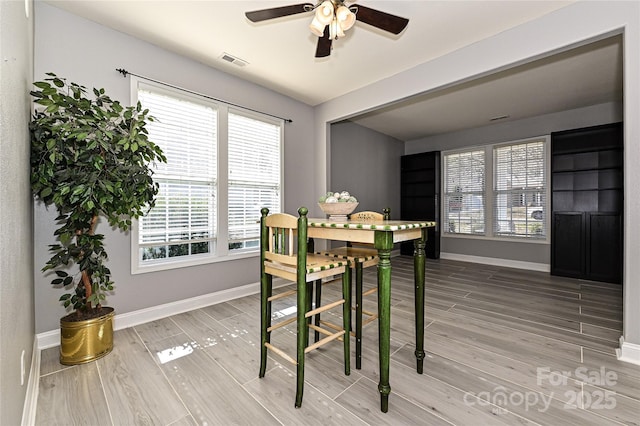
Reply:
x=497, y=190
x=520, y=190
x=254, y=177
x=464, y=198
x=212, y=188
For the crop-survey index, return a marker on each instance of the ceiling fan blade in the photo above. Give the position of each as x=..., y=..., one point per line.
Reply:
x=324, y=44
x=277, y=12
x=385, y=21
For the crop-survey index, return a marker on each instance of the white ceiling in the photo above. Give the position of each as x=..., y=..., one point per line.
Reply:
x=280, y=56
x=580, y=77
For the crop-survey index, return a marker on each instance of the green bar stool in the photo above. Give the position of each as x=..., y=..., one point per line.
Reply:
x=359, y=256
x=283, y=253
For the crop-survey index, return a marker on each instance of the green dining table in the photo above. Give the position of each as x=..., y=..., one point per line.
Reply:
x=383, y=235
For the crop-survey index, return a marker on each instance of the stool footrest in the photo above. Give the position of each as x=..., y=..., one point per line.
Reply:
x=370, y=319
x=324, y=308
x=330, y=325
x=321, y=342
x=281, y=324
x=281, y=353
x=369, y=313
x=324, y=330
x=370, y=291
x=281, y=295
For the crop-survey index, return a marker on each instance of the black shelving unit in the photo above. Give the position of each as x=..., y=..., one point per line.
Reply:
x=420, y=196
x=587, y=203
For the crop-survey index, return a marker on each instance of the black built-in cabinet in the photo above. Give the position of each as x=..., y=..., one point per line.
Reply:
x=420, y=197
x=587, y=203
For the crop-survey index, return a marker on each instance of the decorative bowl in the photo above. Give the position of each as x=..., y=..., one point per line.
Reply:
x=338, y=210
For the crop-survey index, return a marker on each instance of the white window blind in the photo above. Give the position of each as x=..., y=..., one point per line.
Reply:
x=464, y=192
x=520, y=190
x=254, y=176
x=223, y=165
x=183, y=221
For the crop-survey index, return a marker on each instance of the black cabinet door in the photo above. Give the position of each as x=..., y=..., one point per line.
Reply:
x=604, y=256
x=567, y=250
x=587, y=245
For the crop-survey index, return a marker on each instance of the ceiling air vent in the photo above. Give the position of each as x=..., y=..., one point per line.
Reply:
x=233, y=60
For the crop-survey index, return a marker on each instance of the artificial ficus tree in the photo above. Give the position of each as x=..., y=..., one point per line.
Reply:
x=90, y=157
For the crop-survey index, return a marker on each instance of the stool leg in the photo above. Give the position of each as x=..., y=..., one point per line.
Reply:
x=309, y=307
x=346, y=316
x=302, y=336
x=266, y=287
x=316, y=319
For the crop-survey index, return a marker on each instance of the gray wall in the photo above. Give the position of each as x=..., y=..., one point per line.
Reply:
x=17, y=323
x=88, y=53
x=366, y=163
x=503, y=132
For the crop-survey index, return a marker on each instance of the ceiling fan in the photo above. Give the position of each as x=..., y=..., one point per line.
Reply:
x=332, y=18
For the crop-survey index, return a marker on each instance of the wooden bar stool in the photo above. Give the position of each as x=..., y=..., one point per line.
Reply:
x=359, y=256
x=283, y=253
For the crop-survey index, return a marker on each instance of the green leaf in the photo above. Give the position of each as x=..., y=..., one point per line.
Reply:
x=61, y=274
x=44, y=101
x=65, y=238
x=46, y=192
x=52, y=108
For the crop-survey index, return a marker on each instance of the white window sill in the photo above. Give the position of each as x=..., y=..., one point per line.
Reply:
x=494, y=238
x=193, y=261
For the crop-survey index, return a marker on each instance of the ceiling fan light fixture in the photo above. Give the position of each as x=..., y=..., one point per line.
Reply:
x=324, y=12
x=346, y=18
x=335, y=30
x=317, y=27
x=331, y=19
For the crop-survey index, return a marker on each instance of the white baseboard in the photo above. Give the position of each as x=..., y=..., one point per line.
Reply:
x=628, y=352
x=532, y=266
x=51, y=338
x=31, y=397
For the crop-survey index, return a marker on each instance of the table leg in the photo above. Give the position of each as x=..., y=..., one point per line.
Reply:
x=384, y=244
x=358, y=278
x=418, y=272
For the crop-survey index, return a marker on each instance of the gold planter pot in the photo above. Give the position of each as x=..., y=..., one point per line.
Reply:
x=86, y=341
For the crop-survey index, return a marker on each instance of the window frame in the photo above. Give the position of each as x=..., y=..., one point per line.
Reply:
x=490, y=192
x=221, y=252
x=256, y=116
x=446, y=201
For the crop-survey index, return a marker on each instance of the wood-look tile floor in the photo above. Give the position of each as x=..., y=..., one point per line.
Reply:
x=504, y=346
